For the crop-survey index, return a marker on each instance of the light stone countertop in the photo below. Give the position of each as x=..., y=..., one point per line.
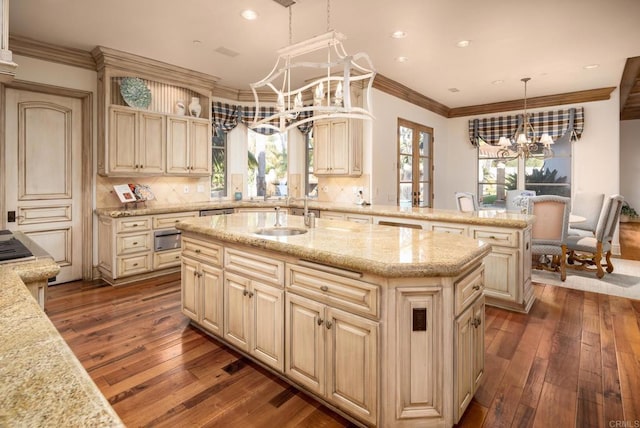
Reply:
x=382, y=250
x=42, y=383
x=499, y=218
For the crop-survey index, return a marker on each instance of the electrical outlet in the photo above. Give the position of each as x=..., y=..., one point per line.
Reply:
x=186, y=189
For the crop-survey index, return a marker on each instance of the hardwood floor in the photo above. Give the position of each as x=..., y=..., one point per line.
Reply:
x=630, y=240
x=574, y=360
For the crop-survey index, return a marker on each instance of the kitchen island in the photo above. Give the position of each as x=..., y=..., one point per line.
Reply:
x=383, y=324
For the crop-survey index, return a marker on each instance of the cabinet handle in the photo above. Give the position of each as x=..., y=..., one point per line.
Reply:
x=177, y=257
x=476, y=322
x=320, y=321
x=476, y=287
x=245, y=292
x=328, y=324
x=135, y=225
x=250, y=294
x=135, y=264
x=197, y=250
x=135, y=243
x=324, y=288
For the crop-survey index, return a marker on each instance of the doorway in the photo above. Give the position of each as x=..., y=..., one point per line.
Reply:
x=415, y=164
x=47, y=172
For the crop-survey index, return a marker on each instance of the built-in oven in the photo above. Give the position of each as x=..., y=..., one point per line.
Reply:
x=167, y=239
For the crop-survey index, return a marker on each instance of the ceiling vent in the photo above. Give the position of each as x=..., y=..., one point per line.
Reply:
x=227, y=52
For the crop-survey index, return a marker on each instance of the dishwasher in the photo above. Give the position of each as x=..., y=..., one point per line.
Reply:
x=216, y=211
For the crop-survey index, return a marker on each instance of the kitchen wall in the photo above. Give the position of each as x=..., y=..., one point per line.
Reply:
x=630, y=162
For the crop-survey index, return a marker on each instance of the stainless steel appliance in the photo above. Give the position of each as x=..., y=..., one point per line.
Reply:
x=168, y=239
x=216, y=211
x=12, y=249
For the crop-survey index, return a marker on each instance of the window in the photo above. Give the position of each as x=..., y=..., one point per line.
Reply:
x=415, y=164
x=496, y=176
x=219, y=164
x=311, y=184
x=267, y=165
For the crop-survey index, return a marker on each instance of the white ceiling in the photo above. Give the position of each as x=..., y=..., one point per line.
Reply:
x=548, y=40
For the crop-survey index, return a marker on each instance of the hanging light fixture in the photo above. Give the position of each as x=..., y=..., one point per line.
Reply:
x=526, y=142
x=327, y=95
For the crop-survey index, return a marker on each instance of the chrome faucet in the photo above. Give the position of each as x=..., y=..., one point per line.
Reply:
x=291, y=199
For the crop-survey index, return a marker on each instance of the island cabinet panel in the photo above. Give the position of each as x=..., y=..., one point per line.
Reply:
x=202, y=294
x=253, y=318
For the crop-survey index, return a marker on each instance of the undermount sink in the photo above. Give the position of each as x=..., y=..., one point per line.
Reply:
x=280, y=231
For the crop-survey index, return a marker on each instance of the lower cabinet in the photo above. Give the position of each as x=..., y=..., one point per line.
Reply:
x=253, y=318
x=469, y=364
x=334, y=354
x=202, y=294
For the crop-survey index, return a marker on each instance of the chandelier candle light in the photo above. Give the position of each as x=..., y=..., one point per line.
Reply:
x=339, y=72
x=526, y=143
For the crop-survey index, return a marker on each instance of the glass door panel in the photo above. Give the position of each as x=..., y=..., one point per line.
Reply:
x=415, y=164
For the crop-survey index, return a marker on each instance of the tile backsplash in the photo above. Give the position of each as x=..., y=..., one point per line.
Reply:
x=167, y=190
x=343, y=189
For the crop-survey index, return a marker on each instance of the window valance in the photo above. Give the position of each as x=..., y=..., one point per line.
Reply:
x=225, y=117
x=556, y=123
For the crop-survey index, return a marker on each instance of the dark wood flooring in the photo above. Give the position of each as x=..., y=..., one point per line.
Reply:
x=630, y=240
x=573, y=361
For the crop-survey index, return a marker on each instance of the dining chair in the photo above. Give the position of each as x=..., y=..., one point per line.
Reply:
x=466, y=202
x=587, y=251
x=549, y=232
x=590, y=206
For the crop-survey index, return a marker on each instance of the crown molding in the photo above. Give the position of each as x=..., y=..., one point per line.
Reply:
x=405, y=93
x=590, y=95
x=49, y=52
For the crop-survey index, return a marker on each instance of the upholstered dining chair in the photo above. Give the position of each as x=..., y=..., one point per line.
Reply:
x=549, y=232
x=466, y=202
x=588, y=205
x=587, y=251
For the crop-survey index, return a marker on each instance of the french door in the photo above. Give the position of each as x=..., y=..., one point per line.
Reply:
x=415, y=164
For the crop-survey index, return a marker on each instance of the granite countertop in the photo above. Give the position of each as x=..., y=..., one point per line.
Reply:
x=42, y=383
x=382, y=250
x=499, y=218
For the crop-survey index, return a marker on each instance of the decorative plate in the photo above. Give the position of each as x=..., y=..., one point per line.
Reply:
x=135, y=93
x=143, y=192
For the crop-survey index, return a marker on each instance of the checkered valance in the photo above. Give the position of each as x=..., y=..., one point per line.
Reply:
x=555, y=123
x=225, y=117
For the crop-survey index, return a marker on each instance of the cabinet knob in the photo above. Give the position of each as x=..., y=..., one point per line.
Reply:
x=245, y=292
x=476, y=322
x=177, y=257
x=324, y=288
x=320, y=321
x=250, y=294
x=328, y=324
x=135, y=225
x=135, y=243
x=135, y=264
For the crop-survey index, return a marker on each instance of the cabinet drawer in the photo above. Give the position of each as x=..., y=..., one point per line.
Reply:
x=135, y=224
x=448, y=228
x=133, y=243
x=468, y=289
x=355, y=218
x=504, y=238
x=351, y=294
x=166, y=259
x=169, y=220
x=201, y=250
x=134, y=264
x=254, y=266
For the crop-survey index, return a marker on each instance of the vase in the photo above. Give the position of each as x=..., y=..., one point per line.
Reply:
x=194, y=107
x=180, y=109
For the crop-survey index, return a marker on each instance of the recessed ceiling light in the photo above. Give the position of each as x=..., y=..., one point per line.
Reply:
x=399, y=34
x=463, y=43
x=402, y=59
x=498, y=82
x=591, y=66
x=249, y=14
x=197, y=43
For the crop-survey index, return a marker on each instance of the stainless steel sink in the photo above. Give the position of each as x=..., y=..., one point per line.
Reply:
x=280, y=231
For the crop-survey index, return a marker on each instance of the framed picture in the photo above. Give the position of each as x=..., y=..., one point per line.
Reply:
x=124, y=193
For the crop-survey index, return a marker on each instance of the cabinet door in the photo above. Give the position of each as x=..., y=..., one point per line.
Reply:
x=352, y=344
x=267, y=310
x=236, y=310
x=200, y=148
x=304, y=342
x=478, y=342
x=190, y=291
x=464, y=358
x=212, y=298
x=339, y=146
x=152, y=143
x=501, y=273
x=178, y=145
x=321, y=149
x=123, y=132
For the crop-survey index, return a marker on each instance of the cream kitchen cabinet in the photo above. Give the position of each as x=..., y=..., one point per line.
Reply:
x=188, y=146
x=333, y=353
x=202, y=294
x=355, y=218
x=337, y=147
x=137, y=143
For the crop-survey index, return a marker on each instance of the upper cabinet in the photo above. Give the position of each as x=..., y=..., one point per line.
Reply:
x=151, y=129
x=338, y=147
